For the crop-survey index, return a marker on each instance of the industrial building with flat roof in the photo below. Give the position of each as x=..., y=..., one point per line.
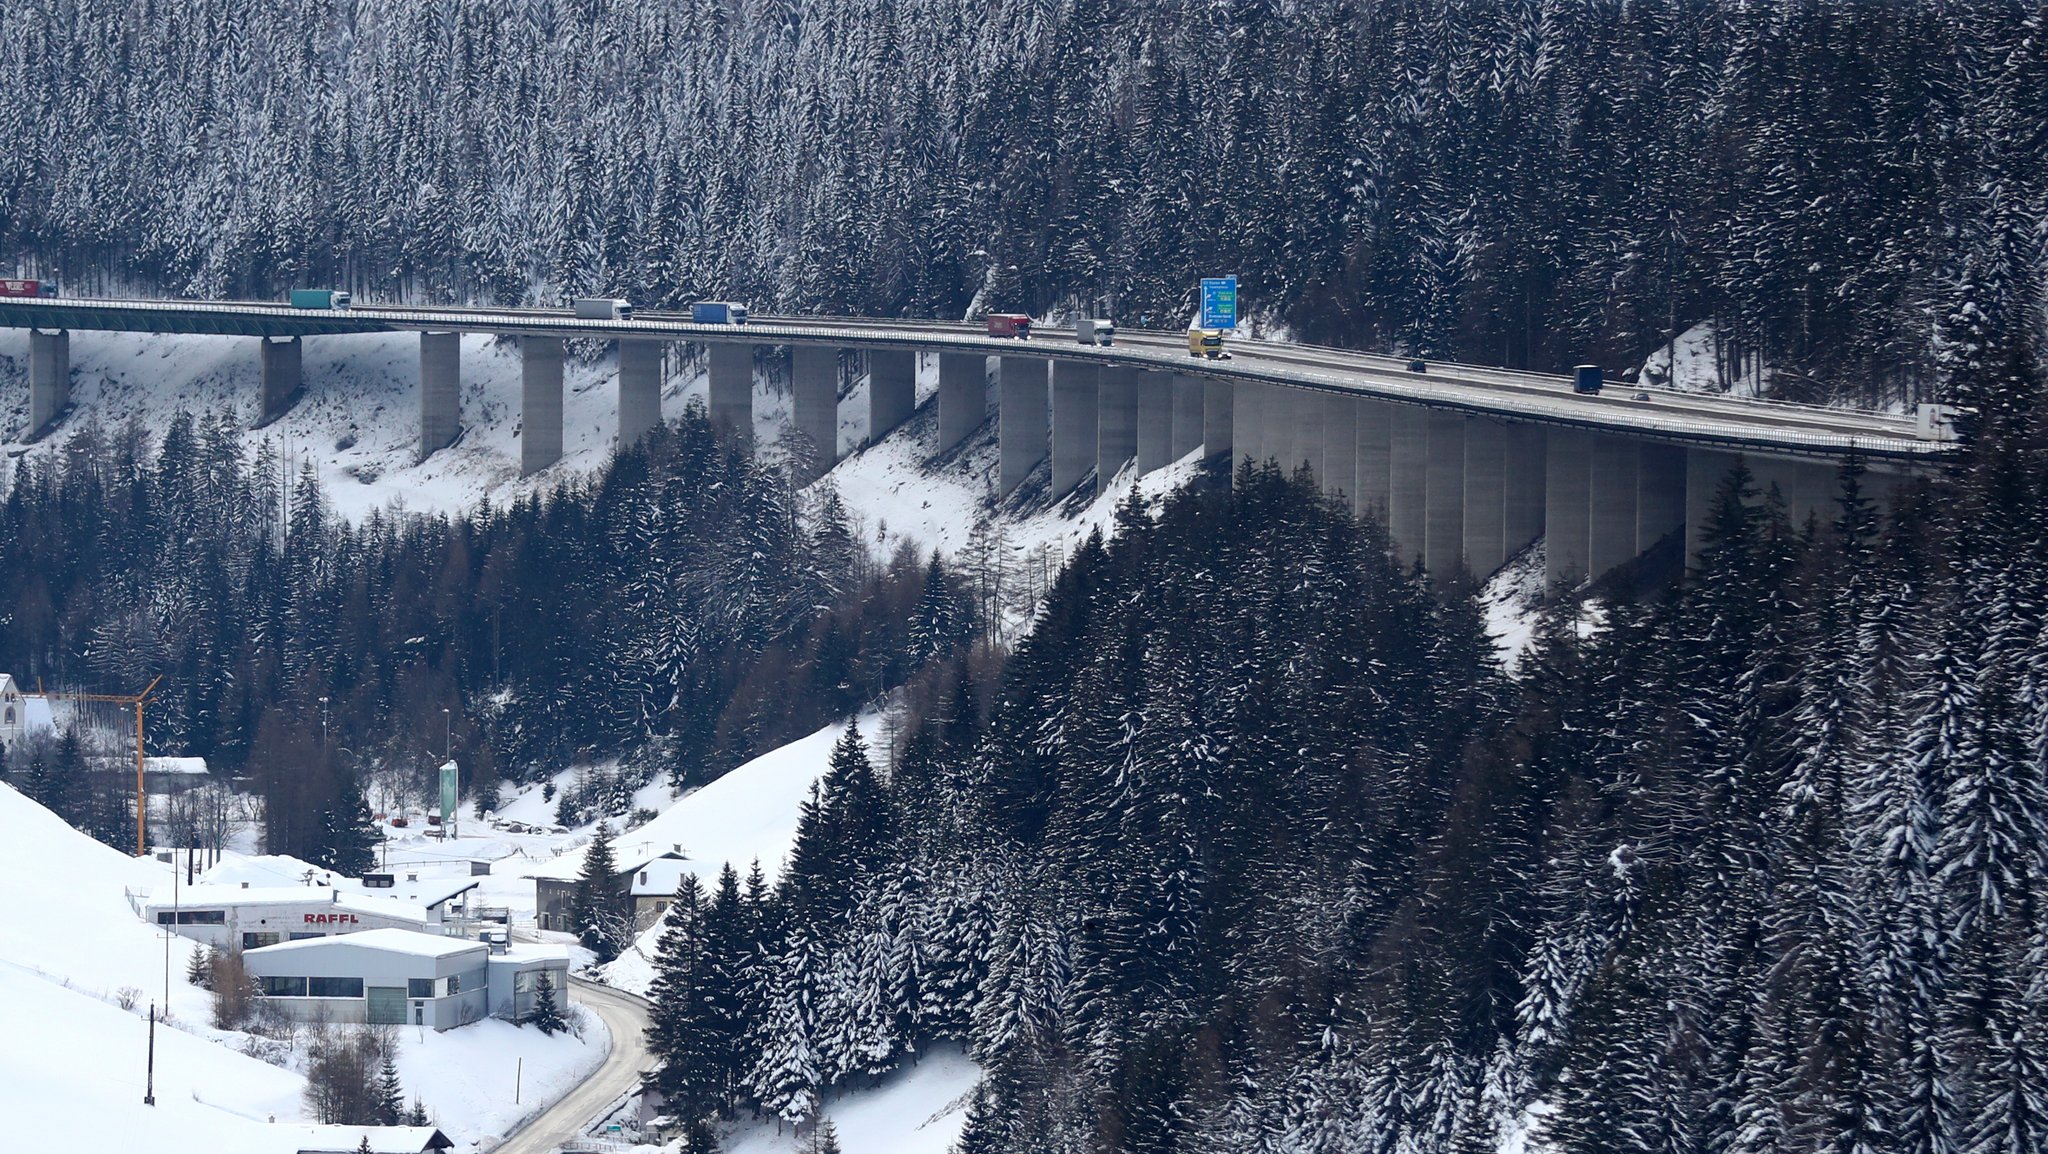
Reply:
x=403, y=977
x=254, y=917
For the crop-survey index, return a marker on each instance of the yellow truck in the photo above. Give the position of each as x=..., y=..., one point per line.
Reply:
x=1206, y=343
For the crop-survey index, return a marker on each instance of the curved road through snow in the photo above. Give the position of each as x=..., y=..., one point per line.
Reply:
x=626, y=1017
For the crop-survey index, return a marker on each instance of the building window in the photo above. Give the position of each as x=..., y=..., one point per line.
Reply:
x=522, y=982
x=455, y=983
x=419, y=987
x=303, y=937
x=334, y=987
x=193, y=917
x=258, y=941
x=10, y=716
x=284, y=987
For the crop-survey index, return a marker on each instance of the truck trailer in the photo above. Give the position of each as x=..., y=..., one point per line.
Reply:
x=15, y=287
x=1015, y=325
x=1094, y=332
x=319, y=299
x=718, y=313
x=602, y=309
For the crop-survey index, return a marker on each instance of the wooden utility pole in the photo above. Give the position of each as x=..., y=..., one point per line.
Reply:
x=136, y=701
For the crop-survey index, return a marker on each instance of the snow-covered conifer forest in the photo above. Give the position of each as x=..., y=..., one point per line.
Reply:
x=1839, y=185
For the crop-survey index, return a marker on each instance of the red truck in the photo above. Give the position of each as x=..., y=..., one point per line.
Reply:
x=1009, y=325
x=27, y=288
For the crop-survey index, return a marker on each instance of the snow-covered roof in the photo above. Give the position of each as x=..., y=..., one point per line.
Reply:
x=658, y=878
x=409, y=942
x=427, y=892
x=353, y=901
x=632, y=855
x=174, y=765
x=523, y=953
x=266, y=870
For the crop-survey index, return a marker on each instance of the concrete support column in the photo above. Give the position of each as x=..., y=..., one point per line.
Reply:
x=814, y=383
x=1021, y=418
x=639, y=389
x=963, y=396
x=1374, y=464
x=1218, y=417
x=1611, y=524
x=283, y=373
x=1187, y=415
x=1282, y=428
x=441, y=391
x=1525, y=466
x=1155, y=421
x=1407, y=480
x=1567, y=503
x=540, y=403
x=1116, y=431
x=892, y=390
x=1660, y=492
x=1705, y=470
x=1248, y=421
x=49, y=379
x=1074, y=387
x=1486, y=495
x=732, y=388
x=1340, y=446
x=1807, y=487
x=1443, y=546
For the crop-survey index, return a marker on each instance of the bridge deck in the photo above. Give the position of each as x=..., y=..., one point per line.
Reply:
x=1668, y=415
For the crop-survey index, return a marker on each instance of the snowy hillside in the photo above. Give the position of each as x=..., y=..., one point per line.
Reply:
x=72, y=950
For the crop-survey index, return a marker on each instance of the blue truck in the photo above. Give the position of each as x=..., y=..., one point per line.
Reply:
x=718, y=313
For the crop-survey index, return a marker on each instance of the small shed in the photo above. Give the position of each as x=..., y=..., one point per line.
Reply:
x=380, y=1139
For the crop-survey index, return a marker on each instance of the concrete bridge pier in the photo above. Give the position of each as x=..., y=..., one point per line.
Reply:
x=1705, y=471
x=1524, y=465
x=283, y=375
x=49, y=379
x=1340, y=446
x=1374, y=464
x=1074, y=422
x=963, y=397
x=1155, y=421
x=731, y=373
x=1443, y=546
x=639, y=389
x=1021, y=418
x=1218, y=414
x=441, y=391
x=1660, y=492
x=1187, y=415
x=1807, y=487
x=892, y=390
x=540, y=403
x=1285, y=429
x=1116, y=434
x=814, y=380
x=1247, y=422
x=1486, y=495
x=1567, y=495
x=1611, y=514
x=1407, y=480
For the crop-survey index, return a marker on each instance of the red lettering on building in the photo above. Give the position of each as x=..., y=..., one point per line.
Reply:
x=331, y=919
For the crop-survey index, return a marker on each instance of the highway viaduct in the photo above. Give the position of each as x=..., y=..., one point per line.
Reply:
x=1464, y=465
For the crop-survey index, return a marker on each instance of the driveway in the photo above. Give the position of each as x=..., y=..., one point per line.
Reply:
x=626, y=1017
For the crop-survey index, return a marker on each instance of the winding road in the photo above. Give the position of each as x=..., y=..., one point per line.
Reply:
x=625, y=1015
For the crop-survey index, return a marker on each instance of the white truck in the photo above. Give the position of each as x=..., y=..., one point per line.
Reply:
x=1094, y=332
x=602, y=309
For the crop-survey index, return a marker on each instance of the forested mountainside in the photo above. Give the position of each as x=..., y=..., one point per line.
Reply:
x=685, y=609
x=1256, y=850
x=1839, y=185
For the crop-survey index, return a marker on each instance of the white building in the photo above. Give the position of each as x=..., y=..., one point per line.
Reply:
x=22, y=715
x=255, y=917
x=401, y=977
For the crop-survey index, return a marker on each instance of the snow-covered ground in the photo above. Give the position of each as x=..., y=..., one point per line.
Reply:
x=1511, y=600
x=72, y=1062
x=919, y=1110
x=748, y=815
